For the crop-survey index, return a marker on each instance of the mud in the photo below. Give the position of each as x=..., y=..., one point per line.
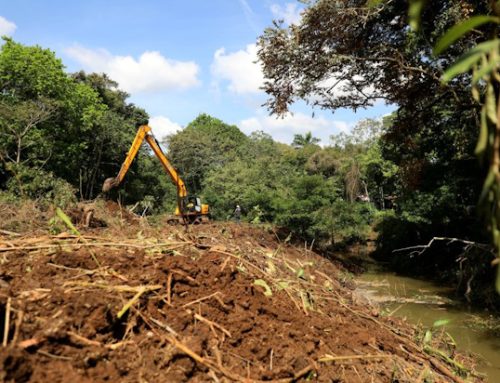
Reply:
x=199, y=315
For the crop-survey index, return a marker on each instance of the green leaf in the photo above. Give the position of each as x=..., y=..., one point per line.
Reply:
x=467, y=61
x=498, y=279
x=283, y=285
x=485, y=70
x=475, y=94
x=130, y=303
x=461, y=66
x=414, y=12
x=488, y=182
x=67, y=221
x=427, y=337
x=271, y=268
x=485, y=47
x=300, y=273
x=457, y=31
x=441, y=322
x=491, y=104
x=262, y=283
x=373, y=3
x=483, y=134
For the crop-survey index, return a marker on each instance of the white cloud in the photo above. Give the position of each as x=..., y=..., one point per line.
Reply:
x=290, y=13
x=149, y=73
x=283, y=129
x=163, y=126
x=240, y=69
x=7, y=28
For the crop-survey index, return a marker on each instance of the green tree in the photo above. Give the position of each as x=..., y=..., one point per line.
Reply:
x=337, y=57
x=30, y=72
x=109, y=140
x=483, y=61
x=19, y=122
x=43, y=113
x=301, y=140
x=205, y=144
x=78, y=128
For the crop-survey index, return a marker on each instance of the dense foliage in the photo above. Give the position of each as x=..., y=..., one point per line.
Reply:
x=354, y=53
x=303, y=188
x=351, y=54
x=62, y=135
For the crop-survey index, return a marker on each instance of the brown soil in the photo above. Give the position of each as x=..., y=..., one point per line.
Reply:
x=198, y=314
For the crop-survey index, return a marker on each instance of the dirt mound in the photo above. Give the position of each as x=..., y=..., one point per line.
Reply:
x=95, y=214
x=217, y=303
x=23, y=215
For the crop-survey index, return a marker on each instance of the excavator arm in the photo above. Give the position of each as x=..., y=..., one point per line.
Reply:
x=144, y=133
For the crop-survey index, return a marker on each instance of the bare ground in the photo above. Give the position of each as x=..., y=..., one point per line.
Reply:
x=217, y=303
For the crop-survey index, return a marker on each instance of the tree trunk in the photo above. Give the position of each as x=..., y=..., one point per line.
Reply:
x=19, y=148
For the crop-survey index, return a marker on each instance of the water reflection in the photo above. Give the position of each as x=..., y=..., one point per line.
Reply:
x=422, y=302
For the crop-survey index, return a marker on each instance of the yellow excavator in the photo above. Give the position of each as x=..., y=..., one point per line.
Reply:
x=189, y=208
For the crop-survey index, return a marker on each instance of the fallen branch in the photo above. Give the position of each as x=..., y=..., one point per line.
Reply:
x=211, y=324
x=201, y=299
x=19, y=322
x=333, y=358
x=120, y=288
x=11, y=233
x=172, y=245
x=467, y=245
x=48, y=354
x=82, y=340
x=169, y=289
x=29, y=343
x=6, y=323
x=164, y=326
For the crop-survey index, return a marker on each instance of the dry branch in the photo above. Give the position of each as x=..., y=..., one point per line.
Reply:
x=201, y=299
x=168, y=245
x=211, y=324
x=11, y=233
x=82, y=340
x=334, y=358
x=6, y=323
x=420, y=249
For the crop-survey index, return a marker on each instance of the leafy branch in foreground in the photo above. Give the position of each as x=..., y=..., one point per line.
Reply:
x=483, y=61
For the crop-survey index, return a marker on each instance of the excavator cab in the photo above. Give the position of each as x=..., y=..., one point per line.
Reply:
x=192, y=210
x=193, y=205
x=189, y=208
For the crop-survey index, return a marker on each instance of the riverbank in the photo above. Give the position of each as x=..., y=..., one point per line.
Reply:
x=424, y=303
x=466, y=266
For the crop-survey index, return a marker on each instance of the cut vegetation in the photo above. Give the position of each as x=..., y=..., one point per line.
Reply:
x=219, y=302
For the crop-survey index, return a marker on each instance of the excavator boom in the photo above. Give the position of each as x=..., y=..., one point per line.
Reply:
x=183, y=201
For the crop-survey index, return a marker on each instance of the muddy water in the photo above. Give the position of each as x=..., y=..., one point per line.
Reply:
x=422, y=302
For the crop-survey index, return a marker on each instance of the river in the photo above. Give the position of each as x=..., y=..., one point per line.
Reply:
x=422, y=302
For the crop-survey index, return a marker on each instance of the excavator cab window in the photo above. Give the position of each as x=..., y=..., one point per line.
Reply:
x=193, y=204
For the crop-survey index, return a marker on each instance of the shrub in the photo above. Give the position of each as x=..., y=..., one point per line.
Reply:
x=41, y=186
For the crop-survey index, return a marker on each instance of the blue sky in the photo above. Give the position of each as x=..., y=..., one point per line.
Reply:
x=176, y=58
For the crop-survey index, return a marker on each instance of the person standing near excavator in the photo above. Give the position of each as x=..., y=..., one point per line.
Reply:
x=237, y=213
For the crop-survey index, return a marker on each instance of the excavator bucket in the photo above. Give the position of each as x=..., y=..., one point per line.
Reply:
x=109, y=184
